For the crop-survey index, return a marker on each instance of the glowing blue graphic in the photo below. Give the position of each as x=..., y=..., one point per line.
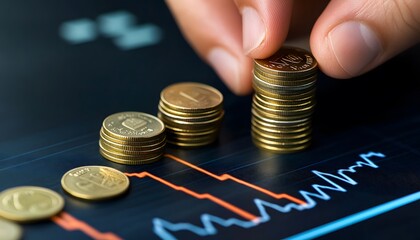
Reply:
x=141, y=36
x=78, y=31
x=115, y=24
x=120, y=26
x=163, y=228
x=357, y=217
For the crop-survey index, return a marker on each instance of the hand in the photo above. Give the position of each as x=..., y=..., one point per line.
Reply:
x=347, y=37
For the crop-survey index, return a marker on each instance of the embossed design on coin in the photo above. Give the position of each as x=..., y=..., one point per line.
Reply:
x=132, y=138
x=133, y=125
x=284, y=100
x=95, y=182
x=192, y=113
x=288, y=60
x=29, y=203
x=191, y=96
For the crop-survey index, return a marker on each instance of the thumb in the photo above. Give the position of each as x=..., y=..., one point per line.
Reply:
x=352, y=37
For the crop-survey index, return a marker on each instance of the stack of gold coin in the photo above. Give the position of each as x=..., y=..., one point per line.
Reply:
x=284, y=100
x=192, y=113
x=132, y=138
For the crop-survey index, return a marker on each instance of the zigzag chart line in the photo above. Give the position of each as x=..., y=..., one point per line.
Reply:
x=225, y=177
x=164, y=229
x=70, y=223
x=210, y=197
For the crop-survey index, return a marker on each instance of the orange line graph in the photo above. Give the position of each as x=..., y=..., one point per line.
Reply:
x=210, y=197
x=70, y=223
x=225, y=177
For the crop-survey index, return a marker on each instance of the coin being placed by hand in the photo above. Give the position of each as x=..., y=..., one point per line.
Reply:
x=9, y=230
x=95, y=182
x=29, y=203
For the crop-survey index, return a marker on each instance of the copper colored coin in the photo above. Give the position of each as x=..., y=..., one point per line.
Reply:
x=288, y=61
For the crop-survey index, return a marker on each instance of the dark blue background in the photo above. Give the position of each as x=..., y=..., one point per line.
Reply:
x=54, y=96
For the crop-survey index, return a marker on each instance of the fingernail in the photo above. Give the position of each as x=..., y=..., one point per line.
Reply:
x=226, y=66
x=253, y=29
x=355, y=45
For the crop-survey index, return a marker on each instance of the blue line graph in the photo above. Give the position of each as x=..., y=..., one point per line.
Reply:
x=356, y=218
x=164, y=229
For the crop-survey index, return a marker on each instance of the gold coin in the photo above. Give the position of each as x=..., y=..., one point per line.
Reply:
x=29, y=203
x=10, y=230
x=277, y=149
x=191, y=144
x=288, y=61
x=191, y=97
x=205, y=125
x=187, y=114
x=287, y=90
x=149, y=142
x=194, y=139
x=280, y=80
x=133, y=126
x=190, y=118
x=95, y=182
x=282, y=117
x=131, y=152
x=142, y=147
x=286, y=122
x=280, y=142
x=277, y=101
x=281, y=135
x=279, y=129
x=284, y=95
x=130, y=160
x=283, y=112
x=171, y=132
x=288, y=106
x=133, y=147
x=128, y=156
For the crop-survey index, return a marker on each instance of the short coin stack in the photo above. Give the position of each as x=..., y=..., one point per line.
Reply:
x=192, y=113
x=132, y=138
x=284, y=100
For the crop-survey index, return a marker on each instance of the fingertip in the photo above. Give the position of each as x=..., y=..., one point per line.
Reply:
x=264, y=25
x=234, y=71
x=350, y=47
x=351, y=38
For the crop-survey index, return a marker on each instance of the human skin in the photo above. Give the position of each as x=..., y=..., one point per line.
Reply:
x=347, y=37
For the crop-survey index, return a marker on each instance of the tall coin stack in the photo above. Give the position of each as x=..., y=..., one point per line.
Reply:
x=284, y=100
x=192, y=113
x=132, y=138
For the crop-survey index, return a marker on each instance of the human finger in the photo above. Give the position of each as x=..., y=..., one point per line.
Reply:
x=353, y=37
x=265, y=25
x=213, y=28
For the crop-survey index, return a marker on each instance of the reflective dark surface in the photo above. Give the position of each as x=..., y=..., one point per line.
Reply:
x=59, y=78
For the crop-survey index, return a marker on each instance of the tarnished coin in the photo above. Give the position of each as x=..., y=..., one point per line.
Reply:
x=10, y=230
x=29, y=203
x=284, y=100
x=191, y=97
x=95, y=182
x=135, y=126
x=288, y=61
